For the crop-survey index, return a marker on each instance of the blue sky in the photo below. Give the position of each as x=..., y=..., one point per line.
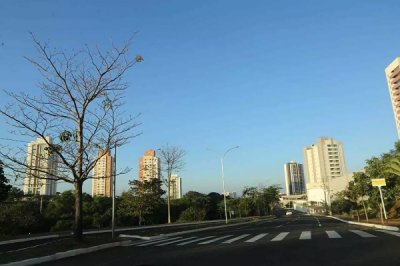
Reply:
x=269, y=76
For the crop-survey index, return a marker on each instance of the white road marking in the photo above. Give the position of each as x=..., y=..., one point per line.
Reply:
x=389, y=232
x=235, y=239
x=305, y=235
x=195, y=240
x=213, y=240
x=156, y=242
x=333, y=234
x=257, y=237
x=280, y=237
x=319, y=223
x=362, y=233
x=174, y=241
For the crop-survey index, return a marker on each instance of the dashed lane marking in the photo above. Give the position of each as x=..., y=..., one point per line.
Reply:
x=195, y=240
x=174, y=241
x=280, y=237
x=333, y=234
x=214, y=240
x=235, y=239
x=390, y=232
x=305, y=235
x=158, y=241
x=257, y=237
x=362, y=233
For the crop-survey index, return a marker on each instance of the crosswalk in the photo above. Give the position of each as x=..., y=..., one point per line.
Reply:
x=265, y=237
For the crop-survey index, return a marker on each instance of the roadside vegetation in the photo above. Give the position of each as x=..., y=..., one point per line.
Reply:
x=361, y=200
x=144, y=204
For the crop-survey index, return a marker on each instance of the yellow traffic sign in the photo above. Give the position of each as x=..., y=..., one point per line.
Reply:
x=378, y=182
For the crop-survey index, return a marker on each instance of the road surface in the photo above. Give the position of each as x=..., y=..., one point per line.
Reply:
x=295, y=240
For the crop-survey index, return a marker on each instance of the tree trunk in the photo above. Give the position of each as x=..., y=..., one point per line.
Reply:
x=169, y=198
x=365, y=211
x=78, y=228
x=381, y=212
x=358, y=215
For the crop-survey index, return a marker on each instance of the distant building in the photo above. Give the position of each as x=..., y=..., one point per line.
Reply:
x=149, y=166
x=294, y=178
x=232, y=195
x=392, y=72
x=103, y=175
x=325, y=170
x=175, y=189
x=41, y=168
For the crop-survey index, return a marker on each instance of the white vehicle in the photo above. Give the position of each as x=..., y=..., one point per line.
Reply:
x=289, y=213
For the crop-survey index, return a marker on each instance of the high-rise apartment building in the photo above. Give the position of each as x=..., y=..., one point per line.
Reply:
x=175, y=189
x=324, y=163
x=393, y=80
x=294, y=178
x=149, y=166
x=41, y=168
x=103, y=175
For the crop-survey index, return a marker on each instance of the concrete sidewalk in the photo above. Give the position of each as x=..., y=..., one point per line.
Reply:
x=379, y=226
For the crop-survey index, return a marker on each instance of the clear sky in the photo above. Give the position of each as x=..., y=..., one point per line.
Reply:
x=269, y=76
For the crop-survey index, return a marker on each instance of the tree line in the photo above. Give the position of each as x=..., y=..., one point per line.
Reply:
x=144, y=204
x=362, y=200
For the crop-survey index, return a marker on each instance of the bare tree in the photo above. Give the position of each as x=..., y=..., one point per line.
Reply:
x=79, y=106
x=171, y=162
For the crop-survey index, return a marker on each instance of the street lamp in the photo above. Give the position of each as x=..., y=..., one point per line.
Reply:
x=113, y=193
x=222, y=176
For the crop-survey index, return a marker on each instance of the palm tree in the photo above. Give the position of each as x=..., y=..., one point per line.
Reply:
x=393, y=166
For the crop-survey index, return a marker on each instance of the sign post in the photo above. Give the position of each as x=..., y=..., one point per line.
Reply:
x=380, y=182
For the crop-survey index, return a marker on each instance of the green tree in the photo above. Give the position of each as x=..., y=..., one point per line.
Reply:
x=4, y=186
x=146, y=196
x=196, y=204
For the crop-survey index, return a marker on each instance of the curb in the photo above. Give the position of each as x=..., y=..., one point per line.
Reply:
x=65, y=254
x=18, y=240
x=385, y=227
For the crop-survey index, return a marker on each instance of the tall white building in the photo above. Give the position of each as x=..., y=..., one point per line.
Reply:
x=392, y=72
x=149, y=166
x=102, y=175
x=41, y=168
x=294, y=178
x=175, y=189
x=325, y=170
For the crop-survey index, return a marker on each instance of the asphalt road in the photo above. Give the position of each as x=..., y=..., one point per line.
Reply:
x=295, y=240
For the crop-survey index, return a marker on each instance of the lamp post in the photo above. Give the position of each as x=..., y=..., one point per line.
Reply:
x=222, y=177
x=113, y=193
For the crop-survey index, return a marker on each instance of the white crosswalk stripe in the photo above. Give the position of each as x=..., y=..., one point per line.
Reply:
x=235, y=239
x=333, y=234
x=257, y=237
x=390, y=232
x=229, y=239
x=195, y=240
x=174, y=241
x=362, y=233
x=280, y=237
x=157, y=241
x=214, y=240
x=305, y=235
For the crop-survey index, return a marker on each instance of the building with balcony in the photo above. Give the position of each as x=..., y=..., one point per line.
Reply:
x=41, y=168
x=326, y=172
x=393, y=80
x=103, y=175
x=294, y=178
x=149, y=166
